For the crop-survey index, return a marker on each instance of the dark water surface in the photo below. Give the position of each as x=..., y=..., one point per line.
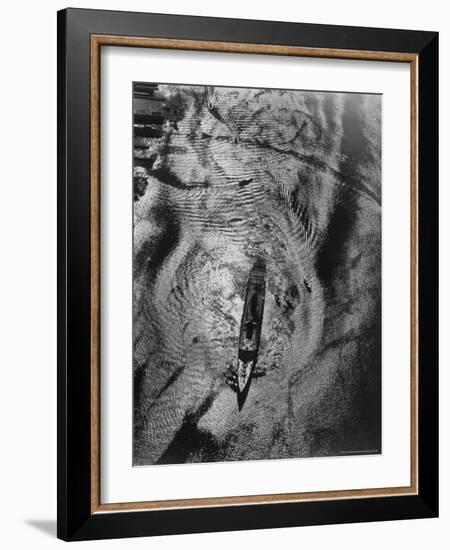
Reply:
x=231, y=175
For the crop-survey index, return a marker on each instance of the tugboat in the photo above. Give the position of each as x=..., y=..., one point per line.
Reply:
x=251, y=325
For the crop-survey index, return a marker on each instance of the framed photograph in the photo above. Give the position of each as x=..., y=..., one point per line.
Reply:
x=247, y=253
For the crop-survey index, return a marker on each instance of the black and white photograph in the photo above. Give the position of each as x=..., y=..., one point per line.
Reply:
x=223, y=323
x=256, y=273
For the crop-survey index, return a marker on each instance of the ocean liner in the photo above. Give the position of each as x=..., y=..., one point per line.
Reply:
x=251, y=325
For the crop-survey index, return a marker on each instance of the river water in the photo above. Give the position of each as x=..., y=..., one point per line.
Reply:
x=232, y=175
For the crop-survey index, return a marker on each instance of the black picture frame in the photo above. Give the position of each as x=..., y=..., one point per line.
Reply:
x=76, y=519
